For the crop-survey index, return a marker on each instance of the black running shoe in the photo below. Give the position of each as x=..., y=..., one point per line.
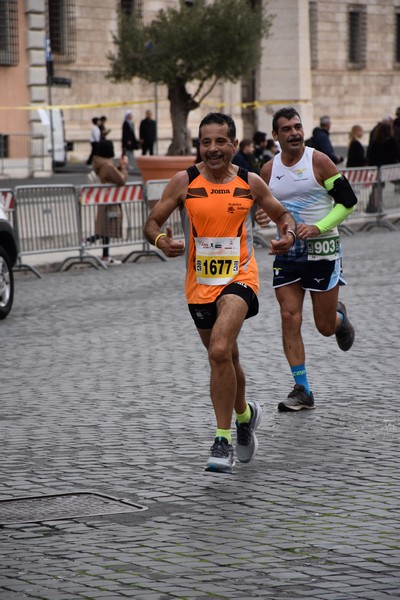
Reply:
x=346, y=334
x=298, y=399
x=221, y=458
x=247, y=443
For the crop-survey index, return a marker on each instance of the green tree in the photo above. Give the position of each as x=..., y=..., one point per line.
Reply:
x=203, y=43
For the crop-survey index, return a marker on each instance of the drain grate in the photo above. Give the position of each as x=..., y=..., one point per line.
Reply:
x=57, y=507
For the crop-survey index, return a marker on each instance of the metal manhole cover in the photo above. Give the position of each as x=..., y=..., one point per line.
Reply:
x=56, y=507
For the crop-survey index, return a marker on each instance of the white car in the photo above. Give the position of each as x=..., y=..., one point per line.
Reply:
x=8, y=258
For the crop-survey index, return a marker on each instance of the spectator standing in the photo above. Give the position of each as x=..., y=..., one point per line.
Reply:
x=148, y=133
x=95, y=136
x=383, y=147
x=103, y=128
x=129, y=141
x=270, y=150
x=322, y=142
x=356, y=152
x=244, y=156
x=382, y=150
x=386, y=119
x=396, y=129
x=109, y=218
x=260, y=143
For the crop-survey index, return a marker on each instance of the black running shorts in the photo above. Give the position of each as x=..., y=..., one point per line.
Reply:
x=205, y=315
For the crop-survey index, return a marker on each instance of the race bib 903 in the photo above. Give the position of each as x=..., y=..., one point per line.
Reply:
x=323, y=248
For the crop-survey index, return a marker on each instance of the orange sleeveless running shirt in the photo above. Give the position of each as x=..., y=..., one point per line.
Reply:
x=217, y=224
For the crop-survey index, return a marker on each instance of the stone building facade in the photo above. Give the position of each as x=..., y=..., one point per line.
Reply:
x=339, y=58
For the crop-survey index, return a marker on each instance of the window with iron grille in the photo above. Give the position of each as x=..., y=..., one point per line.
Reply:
x=357, y=36
x=128, y=7
x=61, y=29
x=313, y=21
x=397, y=40
x=9, y=56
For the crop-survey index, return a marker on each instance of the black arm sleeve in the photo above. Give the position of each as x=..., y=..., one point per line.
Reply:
x=342, y=192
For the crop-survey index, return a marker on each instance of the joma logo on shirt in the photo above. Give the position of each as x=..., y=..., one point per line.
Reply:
x=220, y=191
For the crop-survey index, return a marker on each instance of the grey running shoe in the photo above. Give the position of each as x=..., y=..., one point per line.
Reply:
x=346, y=334
x=221, y=458
x=297, y=400
x=246, y=442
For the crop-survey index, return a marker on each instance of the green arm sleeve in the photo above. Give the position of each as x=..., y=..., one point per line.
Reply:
x=337, y=215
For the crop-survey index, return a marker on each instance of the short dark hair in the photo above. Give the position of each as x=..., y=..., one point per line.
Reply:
x=258, y=137
x=220, y=119
x=286, y=113
x=245, y=142
x=104, y=148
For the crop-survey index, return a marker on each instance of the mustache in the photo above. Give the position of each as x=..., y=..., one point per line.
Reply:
x=296, y=138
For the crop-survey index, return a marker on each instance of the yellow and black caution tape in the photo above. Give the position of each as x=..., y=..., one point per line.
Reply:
x=253, y=105
x=76, y=106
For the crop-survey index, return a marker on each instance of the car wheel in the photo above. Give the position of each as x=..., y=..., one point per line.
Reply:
x=6, y=284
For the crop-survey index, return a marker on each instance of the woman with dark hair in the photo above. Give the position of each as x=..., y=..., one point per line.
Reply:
x=382, y=150
x=383, y=147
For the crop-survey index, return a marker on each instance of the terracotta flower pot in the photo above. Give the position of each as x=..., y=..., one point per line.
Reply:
x=163, y=167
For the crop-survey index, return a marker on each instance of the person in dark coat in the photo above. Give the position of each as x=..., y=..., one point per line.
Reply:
x=103, y=127
x=148, y=133
x=244, y=156
x=129, y=141
x=356, y=152
x=260, y=143
x=386, y=119
x=322, y=142
x=396, y=128
x=382, y=150
x=383, y=147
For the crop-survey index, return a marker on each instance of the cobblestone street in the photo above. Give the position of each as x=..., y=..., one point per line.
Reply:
x=104, y=389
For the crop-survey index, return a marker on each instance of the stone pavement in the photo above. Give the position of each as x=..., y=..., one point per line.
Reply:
x=104, y=389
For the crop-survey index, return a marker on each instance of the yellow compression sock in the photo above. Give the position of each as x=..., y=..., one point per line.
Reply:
x=244, y=417
x=225, y=433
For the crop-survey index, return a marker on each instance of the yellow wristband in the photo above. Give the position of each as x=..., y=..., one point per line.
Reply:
x=158, y=237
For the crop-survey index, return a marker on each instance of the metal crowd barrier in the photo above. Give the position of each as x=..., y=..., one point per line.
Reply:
x=390, y=178
x=130, y=212
x=153, y=192
x=48, y=221
x=370, y=210
x=60, y=218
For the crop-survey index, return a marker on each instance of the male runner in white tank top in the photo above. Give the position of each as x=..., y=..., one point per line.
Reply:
x=309, y=186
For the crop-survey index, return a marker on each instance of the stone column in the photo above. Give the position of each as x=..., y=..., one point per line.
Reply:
x=35, y=15
x=285, y=72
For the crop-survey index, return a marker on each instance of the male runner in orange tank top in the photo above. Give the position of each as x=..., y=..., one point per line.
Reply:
x=215, y=199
